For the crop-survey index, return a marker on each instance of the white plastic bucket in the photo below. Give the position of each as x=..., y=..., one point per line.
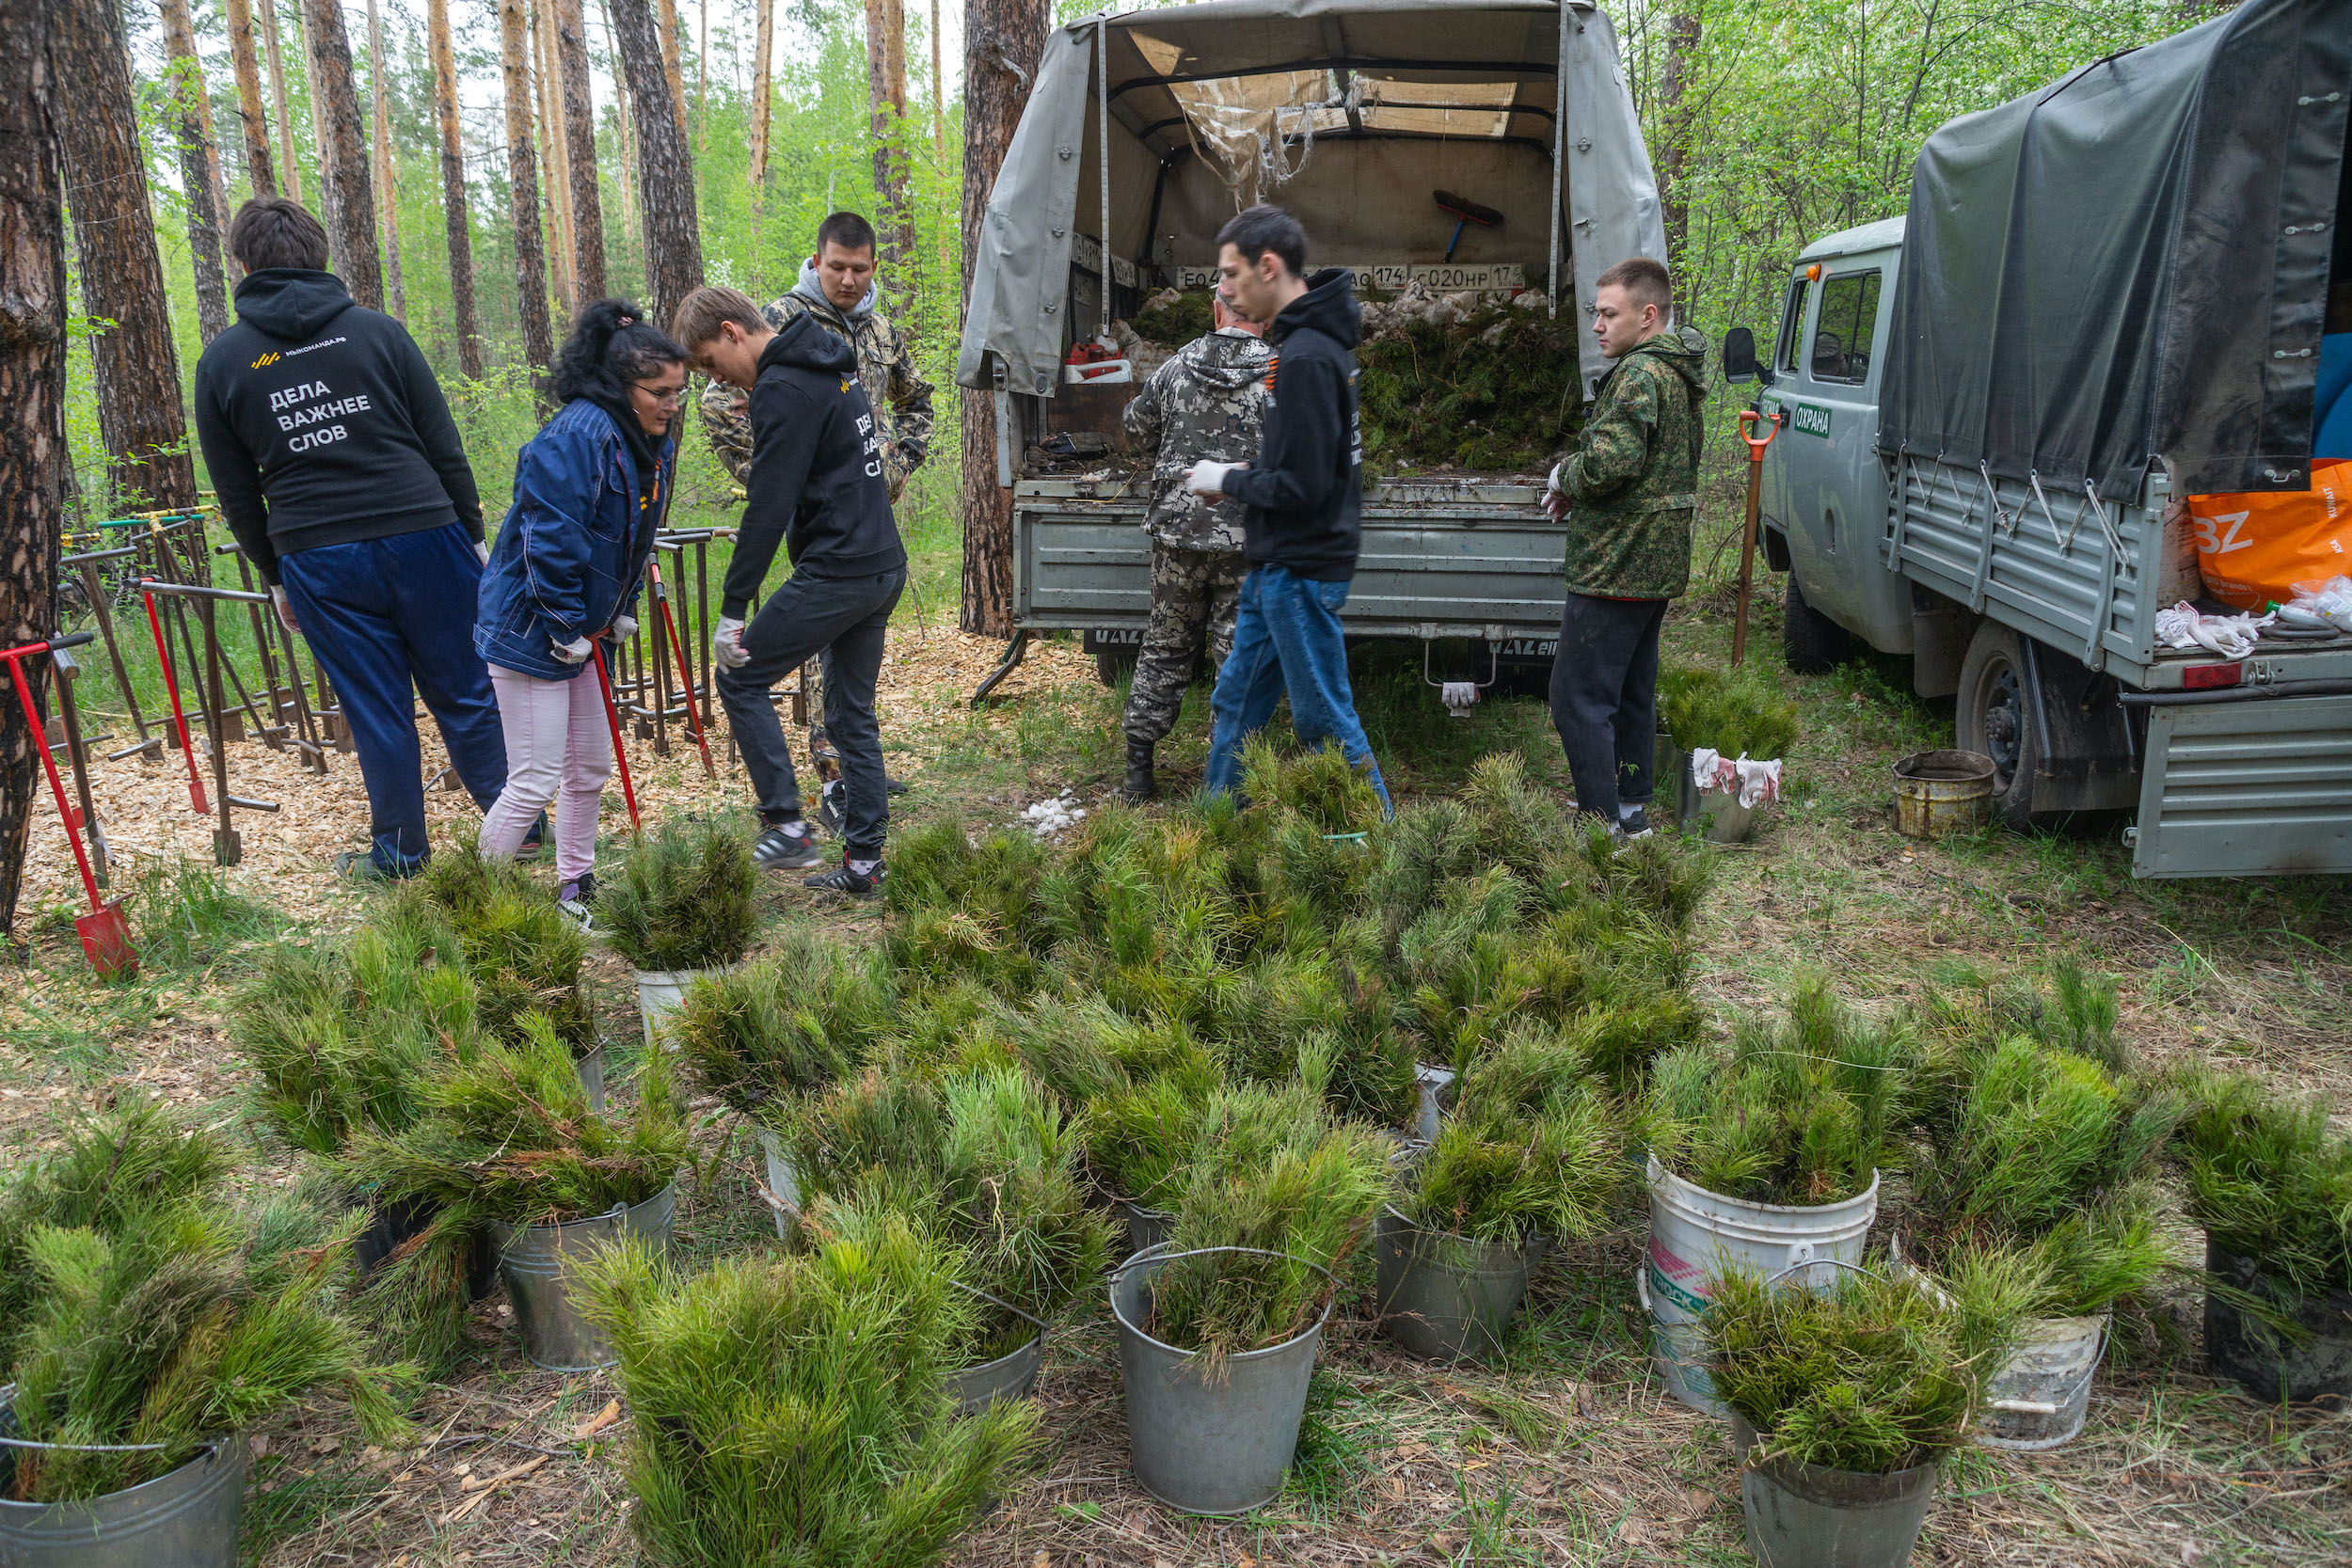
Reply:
x=1696, y=1236
x=660, y=991
x=2041, y=1394
x=784, y=1183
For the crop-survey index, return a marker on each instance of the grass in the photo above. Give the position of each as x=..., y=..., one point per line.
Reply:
x=188, y=916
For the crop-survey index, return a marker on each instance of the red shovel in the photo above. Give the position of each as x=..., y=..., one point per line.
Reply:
x=620, y=755
x=105, y=933
x=685, y=670
x=163, y=651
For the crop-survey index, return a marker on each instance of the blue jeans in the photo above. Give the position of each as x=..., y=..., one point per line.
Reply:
x=1286, y=637
x=380, y=614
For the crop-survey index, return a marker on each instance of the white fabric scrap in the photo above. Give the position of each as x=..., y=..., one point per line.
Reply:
x=1057, y=816
x=2231, y=636
x=1755, y=783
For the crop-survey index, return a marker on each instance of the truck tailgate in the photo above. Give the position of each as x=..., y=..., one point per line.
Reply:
x=2246, y=788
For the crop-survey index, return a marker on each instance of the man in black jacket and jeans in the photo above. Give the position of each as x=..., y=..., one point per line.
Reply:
x=815, y=485
x=1304, y=519
x=342, y=474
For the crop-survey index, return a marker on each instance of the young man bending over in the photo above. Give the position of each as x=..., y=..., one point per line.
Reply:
x=816, y=485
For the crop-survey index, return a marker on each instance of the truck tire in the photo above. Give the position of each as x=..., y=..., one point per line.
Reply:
x=1810, y=642
x=1994, y=715
x=1113, y=666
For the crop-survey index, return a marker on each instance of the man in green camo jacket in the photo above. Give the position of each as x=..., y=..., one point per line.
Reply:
x=1629, y=495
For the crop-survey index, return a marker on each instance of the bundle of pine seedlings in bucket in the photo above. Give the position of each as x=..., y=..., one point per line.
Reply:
x=1532, y=1153
x=761, y=1035
x=509, y=1146
x=1138, y=1140
x=680, y=908
x=1761, y=1156
x=795, y=1409
x=982, y=1159
x=2271, y=1182
x=1847, y=1388
x=149, y=1320
x=1727, y=736
x=1218, y=1326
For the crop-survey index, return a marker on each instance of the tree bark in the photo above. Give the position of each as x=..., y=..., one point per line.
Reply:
x=1003, y=40
x=702, y=79
x=342, y=149
x=453, y=190
x=386, y=175
x=763, y=57
x=289, y=164
x=665, y=171
x=192, y=114
x=579, y=140
x=522, y=184
x=624, y=131
x=1674, y=204
x=140, y=417
x=33, y=350
x=886, y=91
x=939, y=92
x=553, y=153
x=253, y=123
x=670, y=67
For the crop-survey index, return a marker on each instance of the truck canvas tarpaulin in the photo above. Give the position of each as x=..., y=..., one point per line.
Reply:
x=1374, y=103
x=2131, y=263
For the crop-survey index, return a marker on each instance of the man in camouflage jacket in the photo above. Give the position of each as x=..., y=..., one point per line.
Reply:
x=1206, y=401
x=1629, y=495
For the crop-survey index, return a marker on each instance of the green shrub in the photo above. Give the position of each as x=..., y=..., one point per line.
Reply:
x=789, y=1023
x=683, y=899
x=2269, y=1181
x=1740, y=714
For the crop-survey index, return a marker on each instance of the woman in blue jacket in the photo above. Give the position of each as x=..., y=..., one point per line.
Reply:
x=590, y=491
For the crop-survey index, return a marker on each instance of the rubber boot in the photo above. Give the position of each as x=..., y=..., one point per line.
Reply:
x=1140, y=786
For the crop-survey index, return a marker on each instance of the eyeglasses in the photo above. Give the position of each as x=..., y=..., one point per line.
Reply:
x=673, y=397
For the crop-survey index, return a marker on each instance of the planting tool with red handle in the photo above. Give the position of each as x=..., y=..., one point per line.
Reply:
x=1747, y=531
x=171, y=684
x=685, y=670
x=105, y=933
x=612, y=720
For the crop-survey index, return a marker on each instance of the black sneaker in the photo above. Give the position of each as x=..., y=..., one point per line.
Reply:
x=1635, y=825
x=786, y=847
x=831, y=802
x=841, y=879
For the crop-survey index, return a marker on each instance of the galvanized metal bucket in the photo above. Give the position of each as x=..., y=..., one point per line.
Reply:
x=1146, y=1227
x=2040, y=1396
x=1206, y=1442
x=1443, y=1297
x=1431, y=1086
x=2269, y=1367
x=661, y=992
x=187, y=1518
x=1942, y=792
x=531, y=1260
x=1811, y=1516
x=1696, y=1236
x=1716, y=814
x=1011, y=1376
x=782, y=1193
x=592, y=1077
x=391, y=1227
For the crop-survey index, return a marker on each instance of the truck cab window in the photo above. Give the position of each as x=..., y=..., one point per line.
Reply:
x=1791, y=325
x=1843, y=334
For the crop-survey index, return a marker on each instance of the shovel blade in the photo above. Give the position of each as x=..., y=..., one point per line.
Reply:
x=105, y=934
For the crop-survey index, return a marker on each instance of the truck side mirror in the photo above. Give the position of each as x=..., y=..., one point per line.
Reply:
x=1739, y=355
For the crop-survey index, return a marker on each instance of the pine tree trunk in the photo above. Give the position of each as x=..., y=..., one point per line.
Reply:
x=288, y=165
x=140, y=417
x=553, y=153
x=939, y=92
x=344, y=159
x=453, y=190
x=1682, y=47
x=253, y=123
x=193, y=122
x=624, y=131
x=522, y=181
x=670, y=65
x=322, y=191
x=763, y=57
x=665, y=172
x=386, y=175
x=887, y=115
x=580, y=141
x=702, y=79
x=33, y=353
x=1003, y=40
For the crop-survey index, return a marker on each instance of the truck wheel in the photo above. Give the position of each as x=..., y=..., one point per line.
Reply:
x=1994, y=716
x=1810, y=642
x=1110, y=668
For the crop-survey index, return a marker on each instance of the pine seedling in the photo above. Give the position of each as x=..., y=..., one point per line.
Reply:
x=2270, y=1181
x=1138, y=1139
x=1518, y=1158
x=787, y=1025
x=1320, y=785
x=1739, y=714
x=683, y=899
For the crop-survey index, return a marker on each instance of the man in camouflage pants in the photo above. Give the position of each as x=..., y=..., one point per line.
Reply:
x=1207, y=401
x=1630, y=494
x=836, y=286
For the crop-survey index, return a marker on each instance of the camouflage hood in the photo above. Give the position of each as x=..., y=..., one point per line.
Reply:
x=1682, y=349
x=1208, y=399
x=1224, y=362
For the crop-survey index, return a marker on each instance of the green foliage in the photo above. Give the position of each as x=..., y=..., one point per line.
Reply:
x=187, y=915
x=1741, y=714
x=683, y=899
x=1497, y=393
x=523, y=954
x=1176, y=323
x=799, y=1018
x=2269, y=1181
x=1502, y=1171
x=790, y=1409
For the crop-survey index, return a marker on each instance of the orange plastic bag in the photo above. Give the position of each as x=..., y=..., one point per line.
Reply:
x=2253, y=547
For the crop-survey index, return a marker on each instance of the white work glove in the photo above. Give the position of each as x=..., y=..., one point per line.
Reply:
x=482, y=548
x=624, y=627
x=1207, y=480
x=1555, y=500
x=574, y=652
x=279, y=602
x=726, y=644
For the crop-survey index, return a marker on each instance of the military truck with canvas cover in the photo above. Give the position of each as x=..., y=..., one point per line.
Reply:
x=2105, y=297
x=1148, y=130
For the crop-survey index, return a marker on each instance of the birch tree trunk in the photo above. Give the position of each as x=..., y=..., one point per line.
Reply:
x=253, y=123
x=553, y=153
x=290, y=166
x=387, y=176
x=453, y=190
x=140, y=417
x=192, y=117
x=580, y=139
x=342, y=151
x=1003, y=40
x=665, y=172
x=522, y=184
x=33, y=97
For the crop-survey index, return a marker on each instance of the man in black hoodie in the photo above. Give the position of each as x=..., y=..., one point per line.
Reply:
x=1303, y=524
x=342, y=475
x=815, y=485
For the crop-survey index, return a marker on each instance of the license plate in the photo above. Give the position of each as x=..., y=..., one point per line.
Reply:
x=1528, y=647
x=1099, y=638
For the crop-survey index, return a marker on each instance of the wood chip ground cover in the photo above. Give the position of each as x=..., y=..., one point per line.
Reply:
x=1570, y=1452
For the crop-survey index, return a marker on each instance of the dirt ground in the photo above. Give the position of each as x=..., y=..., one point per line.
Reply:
x=1570, y=1452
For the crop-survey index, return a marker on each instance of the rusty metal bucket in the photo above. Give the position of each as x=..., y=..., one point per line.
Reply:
x=1942, y=792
